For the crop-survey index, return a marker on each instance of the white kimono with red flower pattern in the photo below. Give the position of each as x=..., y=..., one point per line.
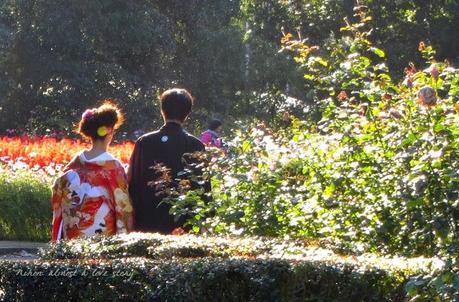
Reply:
x=90, y=198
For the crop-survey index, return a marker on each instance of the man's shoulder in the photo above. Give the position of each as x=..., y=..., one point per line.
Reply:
x=155, y=136
x=150, y=136
x=194, y=141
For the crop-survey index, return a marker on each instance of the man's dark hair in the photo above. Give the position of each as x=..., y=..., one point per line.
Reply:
x=176, y=104
x=214, y=124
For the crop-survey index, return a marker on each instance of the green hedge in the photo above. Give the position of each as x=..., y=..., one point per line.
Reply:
x=152, y=267
x=25, y=207
x=202, y=279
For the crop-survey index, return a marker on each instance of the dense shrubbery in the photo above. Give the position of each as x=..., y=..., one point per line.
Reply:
x=375, y=166
x=206, y=279
x=25, y=206
x=379, y=169
x=151, y=267
x=439, y=285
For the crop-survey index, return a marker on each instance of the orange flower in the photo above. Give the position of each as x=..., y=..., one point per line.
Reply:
x=342, y=96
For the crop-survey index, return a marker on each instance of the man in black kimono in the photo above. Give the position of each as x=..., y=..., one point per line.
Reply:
x=162, y=150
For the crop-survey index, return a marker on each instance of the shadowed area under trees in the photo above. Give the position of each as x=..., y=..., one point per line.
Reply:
x=58, y=57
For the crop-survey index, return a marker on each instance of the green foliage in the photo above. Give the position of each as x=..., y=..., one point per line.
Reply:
x=63, y=58
x=439, y=285
x=225, y=52
x=400, y=25
x=377, y=171
x=192, y=268
x=25, y=203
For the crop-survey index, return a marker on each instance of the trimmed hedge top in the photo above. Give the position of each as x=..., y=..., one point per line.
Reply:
x=156, y=246
x=153, y=267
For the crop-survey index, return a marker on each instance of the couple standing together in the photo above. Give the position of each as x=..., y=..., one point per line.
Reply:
x=95, y=196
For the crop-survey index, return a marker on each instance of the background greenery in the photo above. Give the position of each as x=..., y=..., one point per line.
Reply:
x=57, y=58
x=25, y=201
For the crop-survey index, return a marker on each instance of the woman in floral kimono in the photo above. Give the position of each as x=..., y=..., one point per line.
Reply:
x=91, y=197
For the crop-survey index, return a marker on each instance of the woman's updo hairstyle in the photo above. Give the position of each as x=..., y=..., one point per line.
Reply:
x=97, y=123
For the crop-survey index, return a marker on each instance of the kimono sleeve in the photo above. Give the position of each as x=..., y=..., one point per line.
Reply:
x=57, y=199
x=123, y=205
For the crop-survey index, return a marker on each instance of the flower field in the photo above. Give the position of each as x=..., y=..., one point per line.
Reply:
x=49, y=155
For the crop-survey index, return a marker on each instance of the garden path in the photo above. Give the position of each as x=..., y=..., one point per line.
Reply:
x=20, y=250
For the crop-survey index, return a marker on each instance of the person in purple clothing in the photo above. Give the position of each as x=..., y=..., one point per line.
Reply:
x=210, y=137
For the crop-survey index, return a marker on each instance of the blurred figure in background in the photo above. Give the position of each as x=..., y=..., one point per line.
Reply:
x=211, y=136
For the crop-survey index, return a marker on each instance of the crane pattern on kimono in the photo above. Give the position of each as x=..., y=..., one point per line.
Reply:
x=79, y=192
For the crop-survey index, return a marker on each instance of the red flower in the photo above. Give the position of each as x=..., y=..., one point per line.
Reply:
x=45, y=151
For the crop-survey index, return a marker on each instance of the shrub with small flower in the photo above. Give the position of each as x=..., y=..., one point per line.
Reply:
x=378, y=172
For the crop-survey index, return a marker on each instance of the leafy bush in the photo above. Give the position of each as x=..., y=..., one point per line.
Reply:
x=439, y=285
x=204, y=279
x=378, y=171
x=25, y=207
x=192, y=268
x=156, y=246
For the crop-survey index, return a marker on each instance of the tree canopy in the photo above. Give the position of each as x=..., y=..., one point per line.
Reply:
x=57, y=58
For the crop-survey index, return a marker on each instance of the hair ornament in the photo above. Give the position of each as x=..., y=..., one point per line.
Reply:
x=103, y=131
x=89, y=113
